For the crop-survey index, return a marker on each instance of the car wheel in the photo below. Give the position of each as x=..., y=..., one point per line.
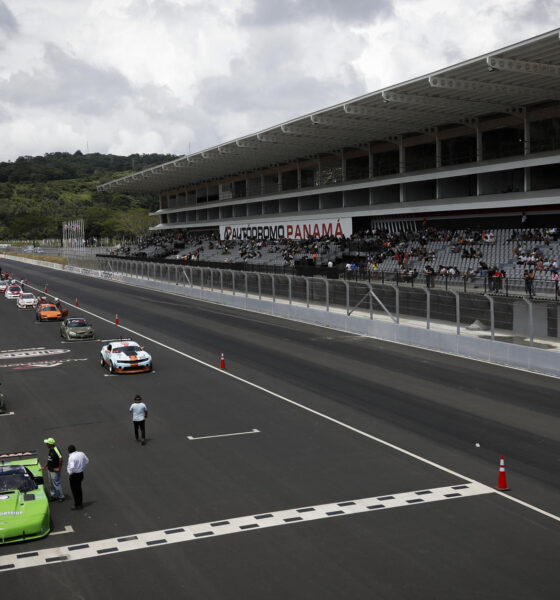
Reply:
x=102, y=362
x=111, y=368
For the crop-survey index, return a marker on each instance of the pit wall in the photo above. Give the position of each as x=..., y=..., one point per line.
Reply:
x=523, y=357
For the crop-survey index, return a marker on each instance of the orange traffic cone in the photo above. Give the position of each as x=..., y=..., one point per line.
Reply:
x=502, y=484
x=116, y=319
x=222, y=362
x=77, y=302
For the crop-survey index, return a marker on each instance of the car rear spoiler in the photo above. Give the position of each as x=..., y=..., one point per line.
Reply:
x=9, y=457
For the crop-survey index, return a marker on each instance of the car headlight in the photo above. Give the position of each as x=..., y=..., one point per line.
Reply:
x=71, y=333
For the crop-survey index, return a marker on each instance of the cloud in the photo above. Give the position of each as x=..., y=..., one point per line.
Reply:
x=159, y=75
x=8, y=23
x=270, y=14
x=64, y=82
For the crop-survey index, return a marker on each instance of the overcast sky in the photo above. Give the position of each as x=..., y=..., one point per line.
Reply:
x=169, y=76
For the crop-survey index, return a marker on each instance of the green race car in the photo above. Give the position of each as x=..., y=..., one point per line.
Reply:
x=76, y=328
x=24, y=505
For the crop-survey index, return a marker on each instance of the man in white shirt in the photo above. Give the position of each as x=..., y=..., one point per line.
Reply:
x=139, y=415
x=76, y=463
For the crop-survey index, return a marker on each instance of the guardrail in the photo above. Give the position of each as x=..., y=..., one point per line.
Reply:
x=477, y=284
x=422, y=304
x=297, y=269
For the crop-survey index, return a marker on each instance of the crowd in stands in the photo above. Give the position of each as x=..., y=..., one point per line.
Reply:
x=432, y=252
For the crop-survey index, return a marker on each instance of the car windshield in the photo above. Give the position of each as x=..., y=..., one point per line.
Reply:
x=28, y=296
x=48, y=307
x=130, y=350
x=76, y=323
x=14, y=288
x=16, y=477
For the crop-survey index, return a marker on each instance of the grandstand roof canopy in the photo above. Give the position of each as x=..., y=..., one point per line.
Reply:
x=500, y=82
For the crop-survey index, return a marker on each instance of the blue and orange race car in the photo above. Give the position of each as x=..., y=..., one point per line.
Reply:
x=125, y=357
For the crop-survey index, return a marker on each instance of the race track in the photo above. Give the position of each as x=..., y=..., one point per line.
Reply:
x=318, y=464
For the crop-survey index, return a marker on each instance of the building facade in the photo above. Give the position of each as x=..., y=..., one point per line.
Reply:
x=478, y=138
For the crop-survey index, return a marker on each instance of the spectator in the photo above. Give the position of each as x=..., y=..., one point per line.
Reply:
x=529, y=277
x=429, y=274
x=497, y=279
x=554, y=277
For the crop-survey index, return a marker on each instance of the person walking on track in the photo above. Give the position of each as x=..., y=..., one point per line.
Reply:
x=139, y=415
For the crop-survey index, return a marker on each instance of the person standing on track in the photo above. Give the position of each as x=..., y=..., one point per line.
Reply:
x=54, y=465
x=77, y=461
x=139, y=415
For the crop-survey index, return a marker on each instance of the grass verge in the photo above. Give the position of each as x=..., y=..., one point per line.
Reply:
x=60, y=260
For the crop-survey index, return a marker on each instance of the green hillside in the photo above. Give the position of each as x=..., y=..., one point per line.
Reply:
x=38, y=193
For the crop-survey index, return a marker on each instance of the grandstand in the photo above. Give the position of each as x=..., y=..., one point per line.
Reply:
x=493, y=261
x=467, y=151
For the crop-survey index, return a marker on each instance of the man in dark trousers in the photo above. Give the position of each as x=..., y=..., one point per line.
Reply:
x=54, y=465
x=77, y=461
x=139, y=415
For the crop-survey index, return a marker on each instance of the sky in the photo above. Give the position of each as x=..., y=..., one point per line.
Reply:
x=179, y=76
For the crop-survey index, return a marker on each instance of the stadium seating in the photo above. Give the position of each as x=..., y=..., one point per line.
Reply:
x=445, y=247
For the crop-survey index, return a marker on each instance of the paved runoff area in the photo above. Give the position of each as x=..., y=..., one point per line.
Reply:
x=303, y=426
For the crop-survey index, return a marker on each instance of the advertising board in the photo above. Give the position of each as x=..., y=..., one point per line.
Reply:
x=294, y=230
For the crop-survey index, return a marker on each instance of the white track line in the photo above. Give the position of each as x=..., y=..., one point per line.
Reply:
x=208, y=437
x=67, y=529
x=315, y=412
x=187, y=533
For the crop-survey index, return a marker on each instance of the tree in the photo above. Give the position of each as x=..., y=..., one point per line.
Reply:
x=135, y=222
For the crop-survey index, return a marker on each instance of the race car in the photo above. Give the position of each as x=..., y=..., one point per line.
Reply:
x=24, y=505
x=50, y=312
x=12, y=292
x=3, y=286
x=27, y=300
x=125, y=357
x=76, y=328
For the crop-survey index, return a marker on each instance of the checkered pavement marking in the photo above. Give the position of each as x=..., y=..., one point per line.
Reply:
x=236, y=525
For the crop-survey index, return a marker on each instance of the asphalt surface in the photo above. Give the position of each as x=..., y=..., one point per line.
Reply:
x=322, y=402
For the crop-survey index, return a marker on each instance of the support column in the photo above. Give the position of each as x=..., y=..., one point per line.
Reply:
x=526, y=150
x=402, y=168
x=479, y=154
x=438, y=149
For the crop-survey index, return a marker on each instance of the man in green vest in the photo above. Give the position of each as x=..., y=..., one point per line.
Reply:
x=54, y=467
